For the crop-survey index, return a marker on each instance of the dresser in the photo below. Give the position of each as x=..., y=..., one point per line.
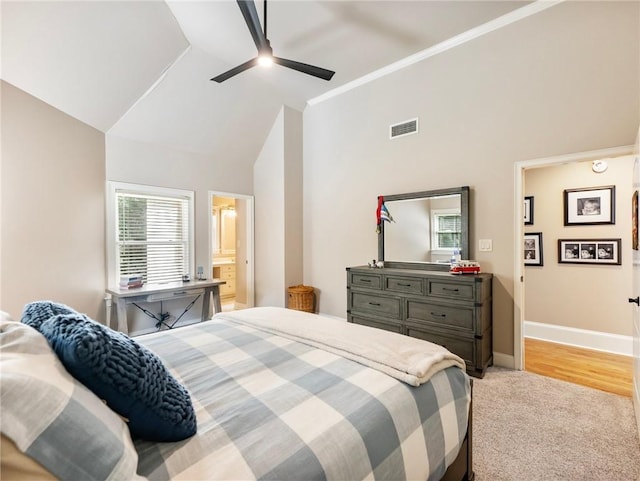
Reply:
x=451, y=310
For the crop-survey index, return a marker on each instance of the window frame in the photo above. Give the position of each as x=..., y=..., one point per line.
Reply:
x=435, y=245
x=114, y=188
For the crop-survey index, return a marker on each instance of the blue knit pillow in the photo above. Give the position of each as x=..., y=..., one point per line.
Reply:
x=130, y=378
x=36, y=313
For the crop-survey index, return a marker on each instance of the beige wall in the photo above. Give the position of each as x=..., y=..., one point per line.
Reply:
x=565, y=80
x=562, y=81
x=53, y=237
x=592, y=297
x=293, y=197
x=161, y=166
x=278, y=223
x=268, y=173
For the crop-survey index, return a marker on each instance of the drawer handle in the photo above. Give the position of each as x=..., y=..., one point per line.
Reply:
x=374, y=304
x=451, y=290
x=435, y=314
x=365, y=280
x=404, y=285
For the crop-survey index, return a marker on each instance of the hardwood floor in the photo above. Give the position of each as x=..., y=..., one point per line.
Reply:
x=595, y=369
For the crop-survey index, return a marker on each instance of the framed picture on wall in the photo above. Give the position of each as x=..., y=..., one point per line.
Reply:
x=589, y=251
x=533, y=249
x=590, y=206
x=528, y=210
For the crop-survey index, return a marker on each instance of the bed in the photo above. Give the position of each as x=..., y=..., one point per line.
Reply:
x=283, y=394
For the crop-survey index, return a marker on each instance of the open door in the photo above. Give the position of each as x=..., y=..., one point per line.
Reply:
x=231, y=248
x=636, y=285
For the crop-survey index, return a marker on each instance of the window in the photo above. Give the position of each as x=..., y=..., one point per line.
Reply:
x=150, y=231
x=447, y=226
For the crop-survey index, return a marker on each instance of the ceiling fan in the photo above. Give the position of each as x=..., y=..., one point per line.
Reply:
x=265, y=52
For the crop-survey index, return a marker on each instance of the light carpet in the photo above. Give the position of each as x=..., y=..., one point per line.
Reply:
x=528, y=427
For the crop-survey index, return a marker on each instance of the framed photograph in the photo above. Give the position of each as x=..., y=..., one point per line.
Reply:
x=593, y=205
x=528, y=210
x=533, y=249
x=589, y=251
x=634, y=221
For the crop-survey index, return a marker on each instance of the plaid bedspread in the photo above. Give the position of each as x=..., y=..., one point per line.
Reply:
x=273, y=408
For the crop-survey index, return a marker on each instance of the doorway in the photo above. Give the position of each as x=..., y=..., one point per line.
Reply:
x=231, y=241
x=519, y=191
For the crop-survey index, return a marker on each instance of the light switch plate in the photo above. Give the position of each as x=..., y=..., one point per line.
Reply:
x=485, y=245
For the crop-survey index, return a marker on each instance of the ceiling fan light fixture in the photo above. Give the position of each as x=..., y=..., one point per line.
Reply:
x=265, y=55
x=265, y=60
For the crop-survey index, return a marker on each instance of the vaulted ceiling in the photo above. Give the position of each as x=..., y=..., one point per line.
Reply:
x=142, y=70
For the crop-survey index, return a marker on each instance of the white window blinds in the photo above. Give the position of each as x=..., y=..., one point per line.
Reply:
x=448, y=228
x=153, y=235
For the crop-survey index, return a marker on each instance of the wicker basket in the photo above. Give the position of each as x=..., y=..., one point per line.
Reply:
x=302, y=298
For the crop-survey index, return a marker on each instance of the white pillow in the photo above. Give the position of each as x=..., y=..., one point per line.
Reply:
x=53, y=418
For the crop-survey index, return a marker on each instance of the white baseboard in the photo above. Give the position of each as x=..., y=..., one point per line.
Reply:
x=598, y=341
x=504, y=360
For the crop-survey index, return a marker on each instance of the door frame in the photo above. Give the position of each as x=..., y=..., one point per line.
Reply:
x=250, y=239
x=635, y=291
x=518, y=264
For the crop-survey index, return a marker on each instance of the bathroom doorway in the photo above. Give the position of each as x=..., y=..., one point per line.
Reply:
x=231, y=248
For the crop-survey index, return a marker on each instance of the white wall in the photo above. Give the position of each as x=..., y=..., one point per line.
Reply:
x=562, y=81
x=53, y=222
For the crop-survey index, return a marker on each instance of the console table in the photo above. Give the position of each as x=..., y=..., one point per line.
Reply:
x=162, y=292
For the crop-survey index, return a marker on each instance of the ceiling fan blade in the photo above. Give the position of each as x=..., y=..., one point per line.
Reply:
x=250, y=14
x=235, y=71
x=322, y=73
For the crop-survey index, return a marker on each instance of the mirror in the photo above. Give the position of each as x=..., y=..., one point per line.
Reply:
x=223, y=227
x=426, y=228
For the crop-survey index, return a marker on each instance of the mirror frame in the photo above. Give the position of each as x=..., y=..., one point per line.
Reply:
x=464, y=234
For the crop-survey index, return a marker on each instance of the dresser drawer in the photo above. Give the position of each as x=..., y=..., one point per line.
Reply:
x=228, y=269
x=449, y=290
x=453, y=311
x=386, y=325
x=465, y=348
x=374, y=304
x=446, y=316
x=372, y=281
x=407, y=285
